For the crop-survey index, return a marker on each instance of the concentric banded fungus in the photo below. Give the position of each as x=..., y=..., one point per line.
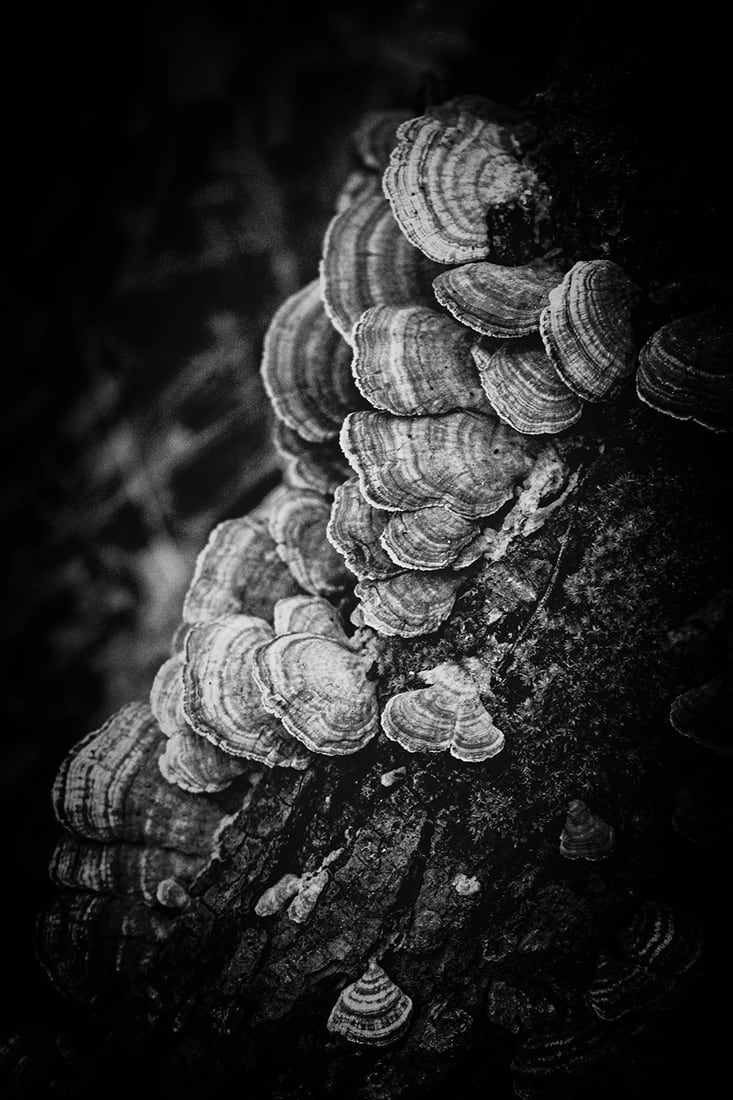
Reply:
x=496, y=300
x=552, y=1054
x=584, y=835
x=306, y=367
x=457, y=182
x=376, y=136
x=109, y=788
x=319, y=689
x=372, y=1010
x=686, y=370
x=91, y=945
x=466, y=461
x=354, y=529
x=298, y=526
x=705, y=715
x=368, y=262
x=309, y=615
x=238, y=570
x=166, y=696
x=120, y=870
x=448, y=714
x=277, y=896
x=221, y=699
x=196, y=765
x=320, y=467
x=411, y=360
x=621, y=987
x=662, y=939
x=430, y=538
x=524, y=388
x=586, y=329
x=408, y=604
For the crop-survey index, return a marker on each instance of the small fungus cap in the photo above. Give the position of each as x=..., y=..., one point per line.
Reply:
x=372, y=1010
x=446, y=715
x=586, y=329
x=221, y=699
x=318, y=688
x=468, y=461
x=686, y=370
x=450, y=170
x=306, y=367
x=495, y=300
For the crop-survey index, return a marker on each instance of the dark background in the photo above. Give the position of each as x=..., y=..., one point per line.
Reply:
x=171, y=175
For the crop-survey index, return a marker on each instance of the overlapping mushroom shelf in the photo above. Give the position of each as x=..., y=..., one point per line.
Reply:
x=428, y=391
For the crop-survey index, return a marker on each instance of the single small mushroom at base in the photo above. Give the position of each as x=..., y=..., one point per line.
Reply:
x=372, y=1010
x=584, y=834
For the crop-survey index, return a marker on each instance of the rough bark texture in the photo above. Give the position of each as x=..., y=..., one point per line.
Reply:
x=581, y=688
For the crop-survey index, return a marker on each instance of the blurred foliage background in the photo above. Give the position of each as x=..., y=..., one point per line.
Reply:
x=172, y=173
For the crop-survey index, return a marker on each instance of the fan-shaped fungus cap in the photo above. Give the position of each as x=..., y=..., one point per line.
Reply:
x=372, y=1010
x=585, y=835
x=354, y=529
x=368, y=262
x=306, y=367
x=586, y=329
x=109, y=788
x=120, y=870
x=412, y=360
x=238, y=570
x=166, y=696
x=376, y=136
x=319, y=690
x=430, y=538
x=92, y=945
x=686, y=370
x=309, y=615
x=524, y=389
x=456, y=179
x=663, y=939
x=496, y=300
x=298, y=526
x=320, y=467
x=705, y=715
x=408, y=604
x=467, y=461
x=620, y=987
x=222, y=701
x=446, y=715
x=194, y=764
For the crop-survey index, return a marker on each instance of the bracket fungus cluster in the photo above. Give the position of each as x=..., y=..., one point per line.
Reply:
x=428, y=391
